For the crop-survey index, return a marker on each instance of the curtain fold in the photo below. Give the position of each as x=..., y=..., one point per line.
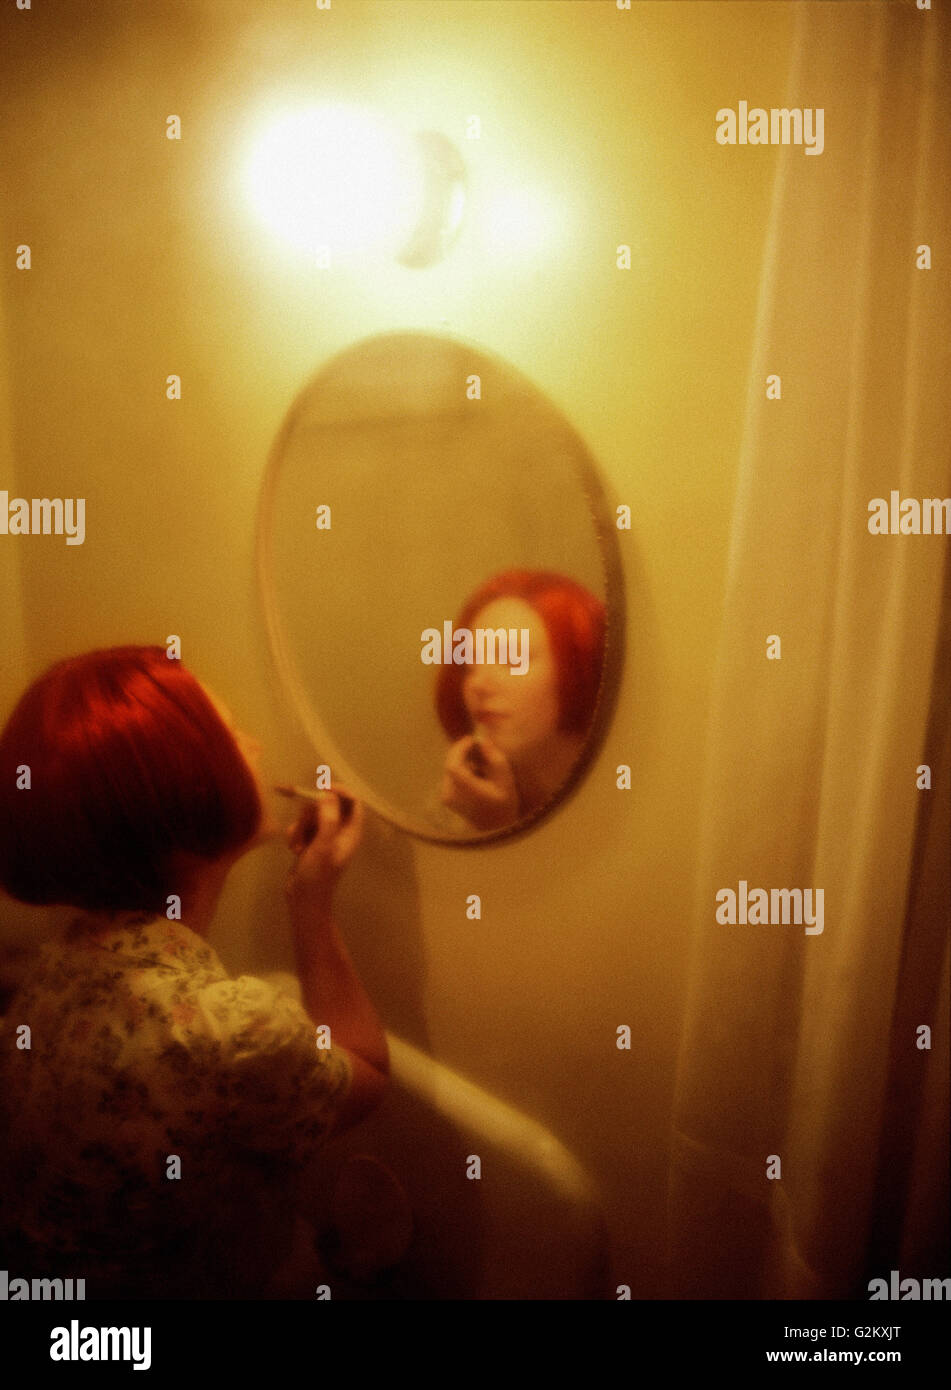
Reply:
x=788, y=1046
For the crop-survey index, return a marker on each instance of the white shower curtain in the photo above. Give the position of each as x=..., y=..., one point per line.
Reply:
x=797, y=1045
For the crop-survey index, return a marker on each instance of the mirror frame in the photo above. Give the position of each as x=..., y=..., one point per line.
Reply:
x=600, y=514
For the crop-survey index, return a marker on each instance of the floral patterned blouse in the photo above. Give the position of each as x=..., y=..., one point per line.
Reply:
x=143, y=1051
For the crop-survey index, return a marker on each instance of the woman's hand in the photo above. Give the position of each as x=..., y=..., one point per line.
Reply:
x=487, y=798
x=323, y=842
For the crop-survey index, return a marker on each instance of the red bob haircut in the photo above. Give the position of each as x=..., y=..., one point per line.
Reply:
x=575, y=622
x=130, y=767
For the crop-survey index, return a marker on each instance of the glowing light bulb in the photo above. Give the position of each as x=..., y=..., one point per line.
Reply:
x=336, y=178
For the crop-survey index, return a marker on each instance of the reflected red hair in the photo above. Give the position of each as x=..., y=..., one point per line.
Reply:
x=131, y=767
x=575, y=622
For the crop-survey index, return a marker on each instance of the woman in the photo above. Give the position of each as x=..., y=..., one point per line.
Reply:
x=516, y=736
x=155, y=1116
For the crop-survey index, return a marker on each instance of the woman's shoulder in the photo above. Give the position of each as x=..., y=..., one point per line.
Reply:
x=94, y=949
x=124, y=984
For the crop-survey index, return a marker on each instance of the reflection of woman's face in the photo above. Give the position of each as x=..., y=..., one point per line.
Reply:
x=519, y=713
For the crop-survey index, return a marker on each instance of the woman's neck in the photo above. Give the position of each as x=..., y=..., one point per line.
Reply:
x=199, y=900
x=545, y=771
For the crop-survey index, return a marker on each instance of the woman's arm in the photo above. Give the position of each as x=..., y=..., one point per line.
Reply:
x=331, y=989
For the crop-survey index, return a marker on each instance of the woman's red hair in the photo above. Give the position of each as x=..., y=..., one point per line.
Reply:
x=574, y=620
x=130, y=768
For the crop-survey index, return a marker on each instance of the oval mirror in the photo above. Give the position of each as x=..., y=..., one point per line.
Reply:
x=441, y=582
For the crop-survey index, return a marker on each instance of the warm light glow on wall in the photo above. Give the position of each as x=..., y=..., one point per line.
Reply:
x=335, y=177
x=519, y=221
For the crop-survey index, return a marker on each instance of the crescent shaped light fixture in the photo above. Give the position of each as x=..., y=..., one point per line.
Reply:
x=443, y=179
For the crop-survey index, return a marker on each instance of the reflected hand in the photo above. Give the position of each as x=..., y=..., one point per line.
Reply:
x=323, y=842
x=487, y=798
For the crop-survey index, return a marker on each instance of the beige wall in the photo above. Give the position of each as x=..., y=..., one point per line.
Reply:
x=146, y=263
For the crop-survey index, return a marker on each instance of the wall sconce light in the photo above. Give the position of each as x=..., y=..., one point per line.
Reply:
x=340, y=179
x=443, y=201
